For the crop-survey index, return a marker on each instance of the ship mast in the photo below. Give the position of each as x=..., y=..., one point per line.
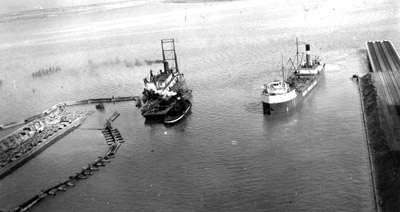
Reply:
x=297, y=53
x=283, y=70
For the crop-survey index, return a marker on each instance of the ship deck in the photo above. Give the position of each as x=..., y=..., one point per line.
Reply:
x=385, y=65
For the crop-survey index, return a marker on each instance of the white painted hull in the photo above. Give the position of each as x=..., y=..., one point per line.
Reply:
x=281, y=103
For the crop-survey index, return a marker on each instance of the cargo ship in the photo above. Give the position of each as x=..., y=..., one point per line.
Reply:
x=160, y=87
x=281, y=96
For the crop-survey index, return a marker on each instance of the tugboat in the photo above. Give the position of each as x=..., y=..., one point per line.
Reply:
x=281, y=96
x=178, y=111
x=159, y=88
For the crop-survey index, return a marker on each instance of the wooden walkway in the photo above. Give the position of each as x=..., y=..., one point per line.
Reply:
x=385, y=64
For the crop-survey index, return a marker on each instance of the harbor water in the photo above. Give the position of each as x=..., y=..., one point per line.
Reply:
x=226, y=155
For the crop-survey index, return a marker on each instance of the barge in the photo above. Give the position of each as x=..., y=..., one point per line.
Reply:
x=178, y=112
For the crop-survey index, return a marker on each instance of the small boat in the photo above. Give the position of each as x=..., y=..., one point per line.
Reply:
x=100, y=106
x=178, y=112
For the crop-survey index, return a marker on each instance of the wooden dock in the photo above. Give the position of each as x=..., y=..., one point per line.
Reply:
x=385, y=65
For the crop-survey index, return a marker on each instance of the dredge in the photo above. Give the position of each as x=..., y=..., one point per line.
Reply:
x=281, y=96
x=160, y=90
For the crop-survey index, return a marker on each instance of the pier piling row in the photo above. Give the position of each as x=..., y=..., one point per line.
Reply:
x=83, y=174
x=385, y=65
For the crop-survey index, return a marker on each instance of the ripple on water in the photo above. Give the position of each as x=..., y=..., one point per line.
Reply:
x=311, y=159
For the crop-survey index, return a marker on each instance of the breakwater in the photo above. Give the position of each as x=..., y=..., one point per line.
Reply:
x=114, y=140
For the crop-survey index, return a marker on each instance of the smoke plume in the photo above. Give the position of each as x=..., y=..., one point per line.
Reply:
x=93, y=65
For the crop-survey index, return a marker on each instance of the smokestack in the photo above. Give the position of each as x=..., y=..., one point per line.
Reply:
x=166, y=67
x=308, y=55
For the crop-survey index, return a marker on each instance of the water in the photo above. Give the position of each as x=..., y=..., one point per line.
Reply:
x=313, y=159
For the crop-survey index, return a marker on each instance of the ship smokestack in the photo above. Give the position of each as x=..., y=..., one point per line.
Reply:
x=166, y=67
x=308, y=55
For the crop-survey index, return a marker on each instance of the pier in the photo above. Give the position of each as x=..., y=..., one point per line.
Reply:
x=34, y=137
x=71, y=103
x=385, y=66
x=30, y=140
x=380, y=103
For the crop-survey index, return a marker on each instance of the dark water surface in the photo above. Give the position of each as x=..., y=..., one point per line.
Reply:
x=313, y=159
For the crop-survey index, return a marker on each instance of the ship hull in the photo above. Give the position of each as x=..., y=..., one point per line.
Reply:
x=159, y=108
x=282, y=107
x=286, y=104
x=170, y=119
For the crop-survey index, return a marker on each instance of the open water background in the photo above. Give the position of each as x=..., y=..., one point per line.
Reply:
x=313, y=159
